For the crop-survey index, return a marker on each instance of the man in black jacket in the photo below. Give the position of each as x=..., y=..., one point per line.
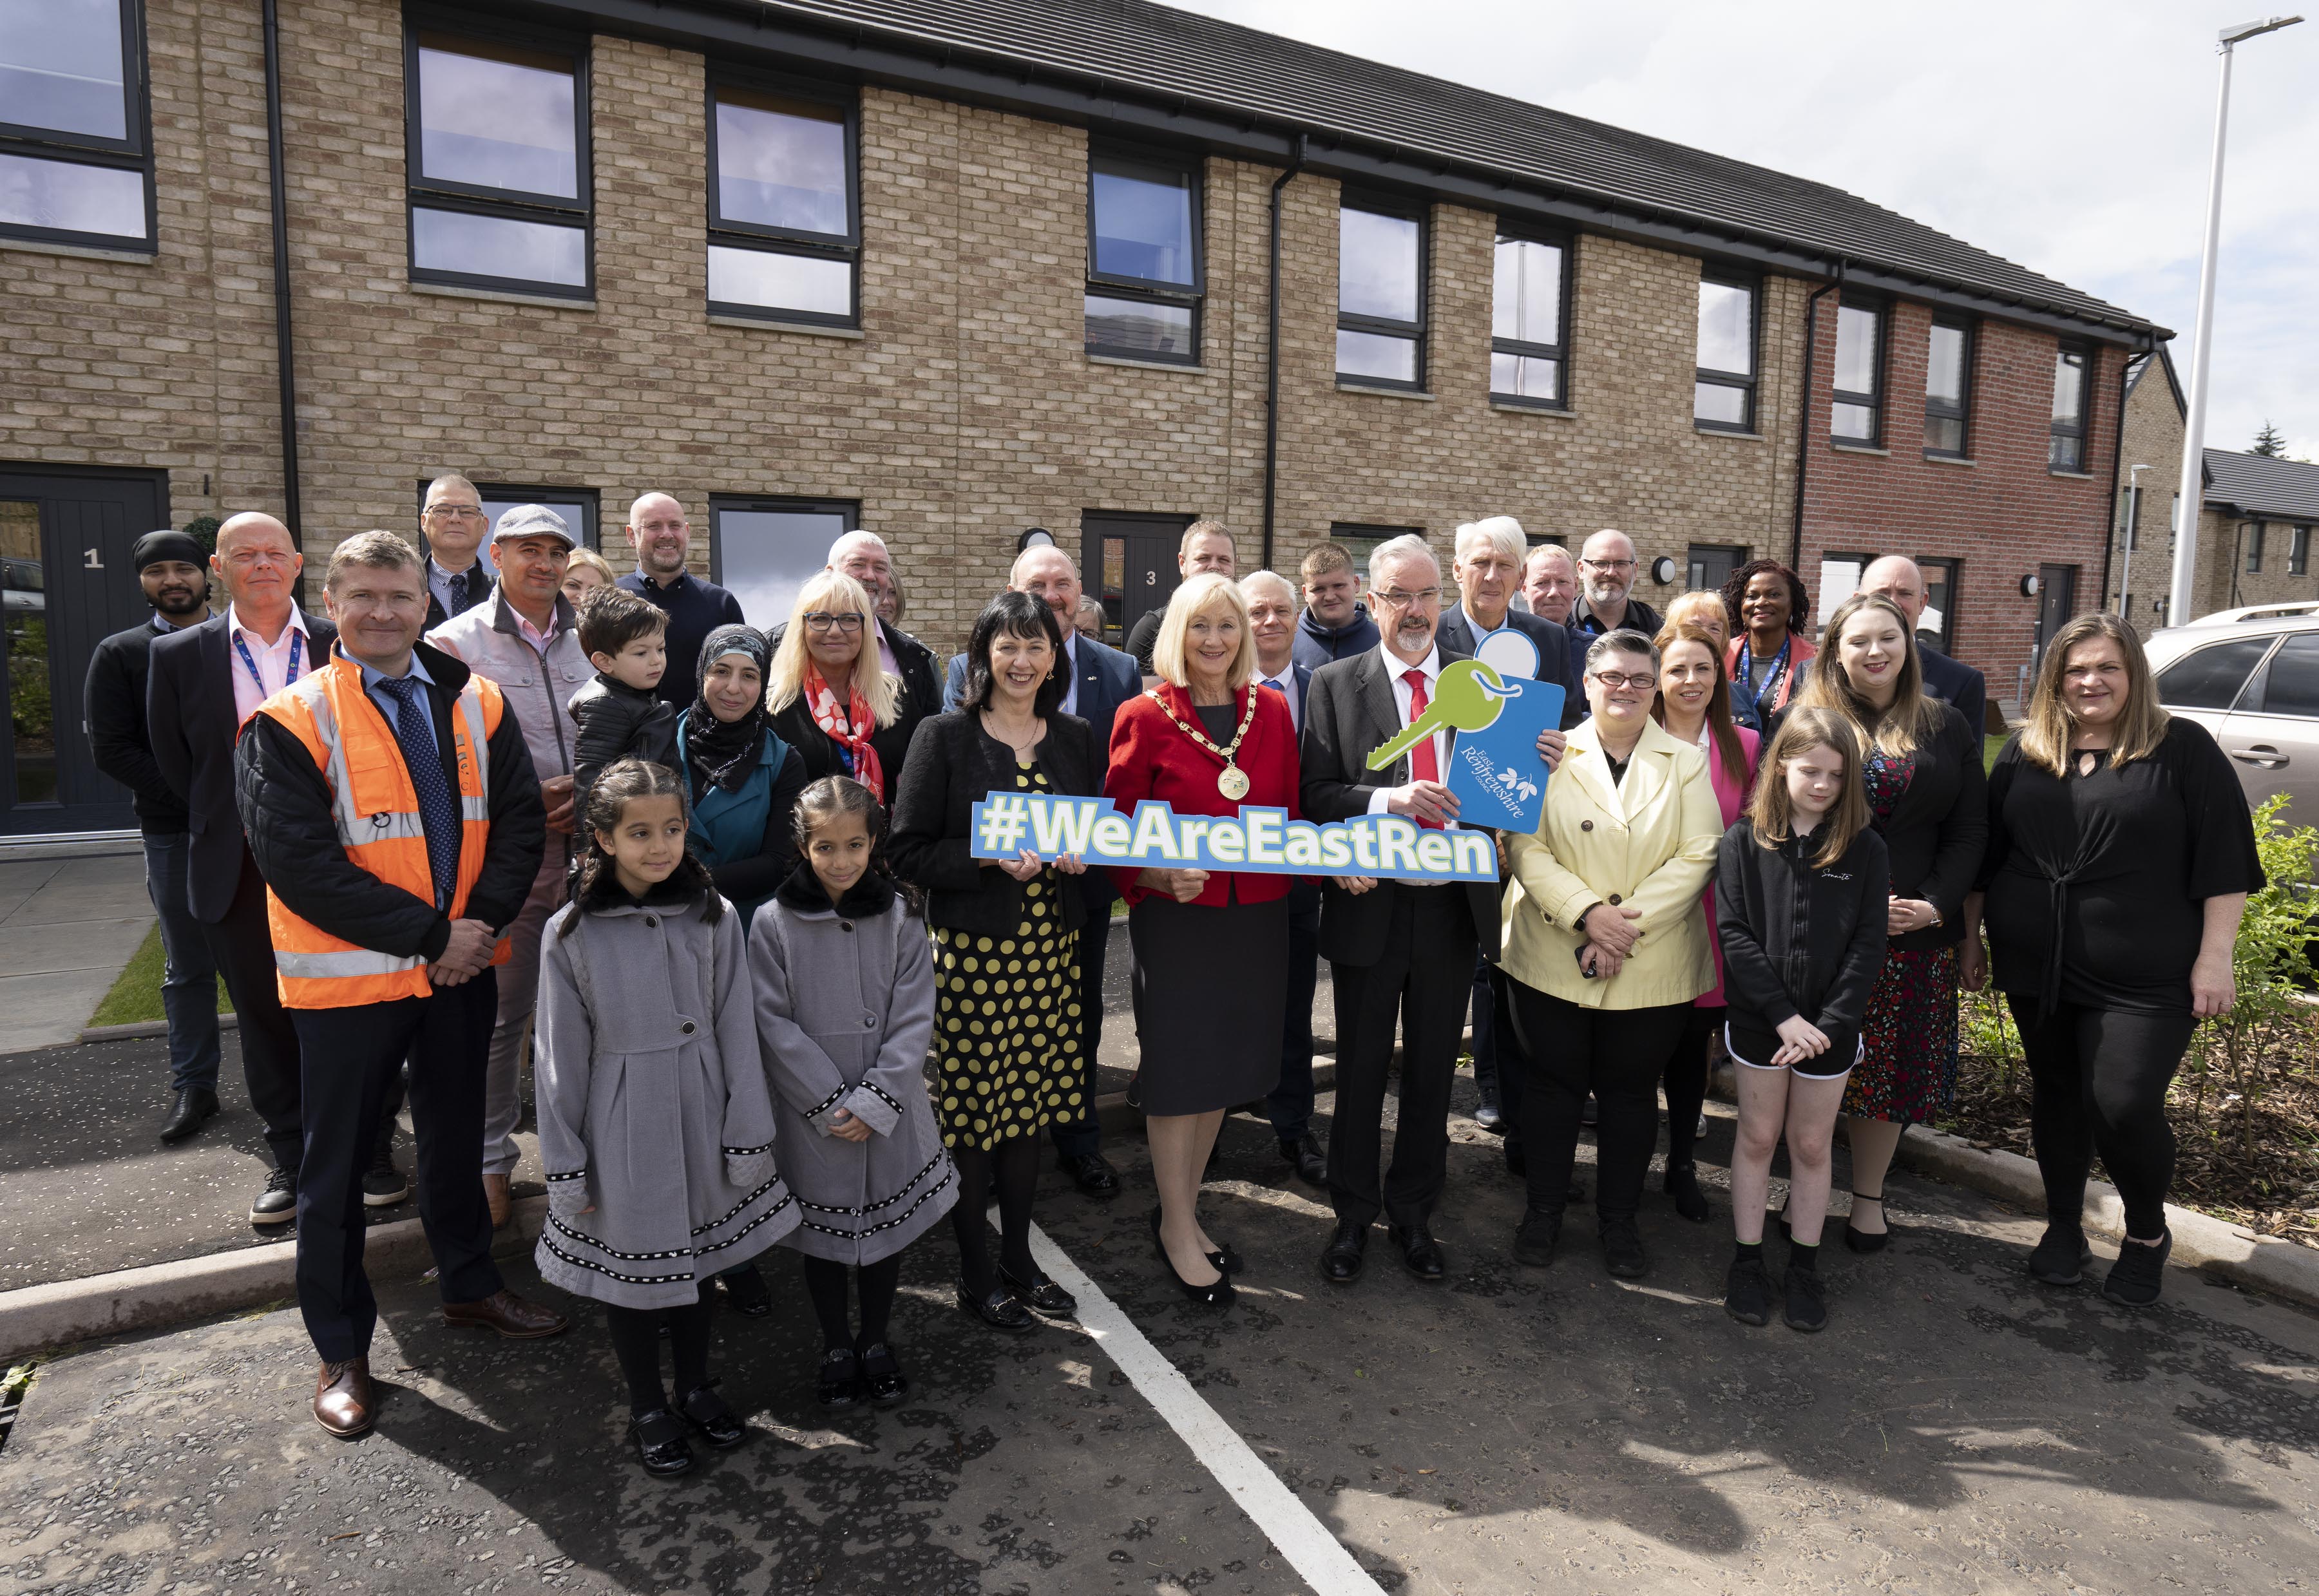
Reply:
x=1607, y=568
x=863, y=557
x=170, y=567
x=453, y=519
x=695, y=607
x=389, y=940
x=1900, y=579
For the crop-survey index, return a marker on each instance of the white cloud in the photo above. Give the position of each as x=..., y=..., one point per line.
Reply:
x=2071, y=138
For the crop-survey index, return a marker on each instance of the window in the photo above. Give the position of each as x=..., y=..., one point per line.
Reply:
x=2291, y=684
x=764, y=549
x=2254, y=531
x=1711, y=563
x=76, y=167
x=2068, y=450
x=1359, y=538
x=1723, y=399
x=783, y=240
x=498, y=152
x=1144, y=257
x=2299, y=552
x=1380, y=294
x=577, y=506
x=1856, y=414
x=1939, y=619
x=2211, y=678
x=1527, y=310
x=1948, y=388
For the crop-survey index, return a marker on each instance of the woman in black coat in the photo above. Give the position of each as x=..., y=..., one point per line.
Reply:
x=1008, y=1035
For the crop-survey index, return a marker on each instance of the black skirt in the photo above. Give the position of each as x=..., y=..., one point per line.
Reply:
x=1211, y=984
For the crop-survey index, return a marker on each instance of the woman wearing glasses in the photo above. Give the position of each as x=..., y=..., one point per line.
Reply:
x=1607, y=942
x=828, y=697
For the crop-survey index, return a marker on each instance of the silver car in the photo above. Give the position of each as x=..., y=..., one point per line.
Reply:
x=2252, y=678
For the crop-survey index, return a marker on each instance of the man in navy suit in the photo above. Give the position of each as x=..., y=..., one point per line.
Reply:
x=1487, y=564
x=1272, y=622
x=1102, y=678
x=1896, y=577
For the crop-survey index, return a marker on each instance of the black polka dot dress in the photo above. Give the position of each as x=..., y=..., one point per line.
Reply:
x=1006, y=1019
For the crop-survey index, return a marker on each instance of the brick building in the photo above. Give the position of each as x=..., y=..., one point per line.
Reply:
x=948, y=271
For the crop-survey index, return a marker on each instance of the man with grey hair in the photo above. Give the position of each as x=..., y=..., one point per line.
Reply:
x=662, y=537
x=1607, y=568
x=452, y=520
x=1550, y=582
x=1900, y=579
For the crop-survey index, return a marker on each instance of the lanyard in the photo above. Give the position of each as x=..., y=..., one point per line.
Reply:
x=250, y=664
x=1771, y=677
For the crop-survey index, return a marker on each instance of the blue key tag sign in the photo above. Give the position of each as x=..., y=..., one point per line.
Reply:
x=1494, y=771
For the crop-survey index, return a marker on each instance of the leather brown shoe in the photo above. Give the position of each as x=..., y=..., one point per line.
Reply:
x=343, y=1402
x=515, y=1318
x=495, y=1196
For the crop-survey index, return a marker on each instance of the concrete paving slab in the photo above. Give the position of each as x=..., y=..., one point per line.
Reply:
x=20, y=879
x=72, y=946
x=108, y=888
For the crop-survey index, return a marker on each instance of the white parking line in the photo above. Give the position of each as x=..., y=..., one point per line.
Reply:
x=1310, y=1549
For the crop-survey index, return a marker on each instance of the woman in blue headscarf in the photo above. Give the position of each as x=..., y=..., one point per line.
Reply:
x=742, y=778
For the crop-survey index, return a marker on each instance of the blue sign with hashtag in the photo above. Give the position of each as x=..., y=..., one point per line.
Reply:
x=1263, y=842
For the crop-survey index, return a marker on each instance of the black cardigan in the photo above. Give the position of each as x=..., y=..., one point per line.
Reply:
x=953, y=764
x=823, y=755
x=1798, y=939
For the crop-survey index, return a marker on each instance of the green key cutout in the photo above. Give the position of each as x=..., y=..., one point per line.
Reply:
x=1466, y=699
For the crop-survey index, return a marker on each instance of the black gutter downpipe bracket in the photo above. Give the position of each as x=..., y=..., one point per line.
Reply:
x=1804, y=412
x=1272, y=355
x=281, y=344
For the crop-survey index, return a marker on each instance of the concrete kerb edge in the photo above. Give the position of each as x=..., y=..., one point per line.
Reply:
x=36, y=1318
x=142, y=1029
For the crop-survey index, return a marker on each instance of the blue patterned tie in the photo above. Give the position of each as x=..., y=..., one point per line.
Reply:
x=459, y=593
x=438, y=811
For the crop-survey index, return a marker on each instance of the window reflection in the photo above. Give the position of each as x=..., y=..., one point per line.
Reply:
x=1526, y=303
x=1374, y=355
x=1139, y=327
x=498, y=119
x=1376, y=265
x=781, y=163
x=61, y=68
x=817, y=284
x=498, y=247
x=763, y=556
x=71, y=197
x=1143, y=222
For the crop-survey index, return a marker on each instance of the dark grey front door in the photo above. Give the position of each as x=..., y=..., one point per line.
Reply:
x=1128, y=561
x=65, y=538
x=2057, y=600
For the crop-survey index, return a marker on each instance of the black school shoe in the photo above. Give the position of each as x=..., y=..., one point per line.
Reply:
x=717, y=1423
x=2060, y=1255
x=1622, y=1249
x=1747, y=1292
x=2139, y=1275
x=1039, y=1292
x=882, y=1380
x=1534, y=1241
x=659, y=1443
x=838, y=1383
x=1805, y=1306
x=746, y=1289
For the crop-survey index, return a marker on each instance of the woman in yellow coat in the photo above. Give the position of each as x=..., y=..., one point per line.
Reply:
x=1606, y=945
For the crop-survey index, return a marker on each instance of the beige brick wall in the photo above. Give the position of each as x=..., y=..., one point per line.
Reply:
x=2153, y=437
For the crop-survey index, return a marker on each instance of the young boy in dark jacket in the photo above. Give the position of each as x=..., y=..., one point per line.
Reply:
x=619, y=716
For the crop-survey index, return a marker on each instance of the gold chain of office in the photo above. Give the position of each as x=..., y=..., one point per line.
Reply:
x=1231, y=780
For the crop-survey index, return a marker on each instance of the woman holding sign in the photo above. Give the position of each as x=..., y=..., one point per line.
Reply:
x=1211, y=948
x=1006, y=1019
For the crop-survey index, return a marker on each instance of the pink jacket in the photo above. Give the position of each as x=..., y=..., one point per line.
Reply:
x=1730, y=796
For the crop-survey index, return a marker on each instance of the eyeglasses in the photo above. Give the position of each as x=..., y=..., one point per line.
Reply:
x=1401, y=601
x=821, y=620
x=1610, y=565
x=1641, y=681
x=462, y=511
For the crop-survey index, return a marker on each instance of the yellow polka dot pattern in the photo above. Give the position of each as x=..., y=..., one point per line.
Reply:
x=1006, y=1019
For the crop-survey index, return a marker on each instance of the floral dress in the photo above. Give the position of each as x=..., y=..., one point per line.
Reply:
x=1907, y=1072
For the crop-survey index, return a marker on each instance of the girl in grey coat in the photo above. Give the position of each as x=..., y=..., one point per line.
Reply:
x=655, y=1122
x=845, y=1009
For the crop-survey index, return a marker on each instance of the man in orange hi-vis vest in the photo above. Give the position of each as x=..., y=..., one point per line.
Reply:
x=392, y=807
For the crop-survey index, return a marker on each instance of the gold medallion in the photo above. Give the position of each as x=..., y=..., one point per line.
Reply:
x=1232, y=782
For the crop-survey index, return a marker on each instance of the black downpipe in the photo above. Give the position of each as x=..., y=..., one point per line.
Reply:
x=1804, y=421
x=282, y=346
x=1272, y=356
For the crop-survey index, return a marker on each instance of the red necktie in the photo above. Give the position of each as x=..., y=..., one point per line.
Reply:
x=1422, y=765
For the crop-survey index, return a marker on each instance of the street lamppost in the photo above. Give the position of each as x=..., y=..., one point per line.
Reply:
x=2194, y=437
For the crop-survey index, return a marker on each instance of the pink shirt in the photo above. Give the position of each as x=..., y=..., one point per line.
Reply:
x=272, y=660
x=1730, y=798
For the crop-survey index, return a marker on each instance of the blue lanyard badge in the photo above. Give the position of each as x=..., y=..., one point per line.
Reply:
x=297, y=638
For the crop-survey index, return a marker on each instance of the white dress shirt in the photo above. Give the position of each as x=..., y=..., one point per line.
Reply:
x=886, y=660
x=1286, y=682
x=438, y=582
x=273, y=660
x=1070, y=704
x=1396, y=668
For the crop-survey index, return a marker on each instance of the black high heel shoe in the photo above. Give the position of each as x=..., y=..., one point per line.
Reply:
x=1218, y=1294
x=707, y=1412
x=1863, y=1241
x=1226, y=1261
x=882, y=1376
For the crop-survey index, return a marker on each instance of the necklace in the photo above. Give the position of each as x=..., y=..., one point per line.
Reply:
x=991, y=728
x=1231, y=780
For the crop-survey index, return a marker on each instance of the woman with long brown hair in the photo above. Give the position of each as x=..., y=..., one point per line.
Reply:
x=2120, y=858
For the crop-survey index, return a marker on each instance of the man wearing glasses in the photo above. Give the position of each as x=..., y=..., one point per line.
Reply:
x=452, y=519
x=1606, y=574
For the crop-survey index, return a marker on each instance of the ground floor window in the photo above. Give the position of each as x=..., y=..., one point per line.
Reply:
x=764, y=549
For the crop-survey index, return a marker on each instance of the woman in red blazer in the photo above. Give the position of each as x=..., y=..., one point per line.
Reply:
x=1211, y=948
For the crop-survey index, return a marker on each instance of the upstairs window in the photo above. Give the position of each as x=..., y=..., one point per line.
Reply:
x=76, y=167
x=2299, y=552
x=784, y=238
x=1948, y=388
x=1380, y=294
x=2255, y=529
x=499, y=176
x=1857, y=413
x=2067, y=451
x=1144, y=257
x=1723, y=397
x=1528, y=311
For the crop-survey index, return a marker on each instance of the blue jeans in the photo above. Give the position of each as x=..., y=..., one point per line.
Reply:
x=189, y=976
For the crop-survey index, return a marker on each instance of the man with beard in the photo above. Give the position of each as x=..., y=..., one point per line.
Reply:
x=1606, y=574
x=170, y=568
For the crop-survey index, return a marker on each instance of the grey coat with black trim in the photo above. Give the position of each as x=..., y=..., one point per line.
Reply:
x=653, y=1105
x=845, y=1011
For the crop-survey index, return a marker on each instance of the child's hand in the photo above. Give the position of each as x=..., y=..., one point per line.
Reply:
x=847, y=1127
x=590, y=1209
x=1800, y=1039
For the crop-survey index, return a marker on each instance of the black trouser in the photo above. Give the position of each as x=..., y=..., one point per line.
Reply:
x=1077, y=1139
x=357, y=1051
x=1617, y=1055
x=1422, y=978
x=1508, y=1066
x=242, y=945
x=1686, y=1081
x=2100, y=1079
x=1290, y=1104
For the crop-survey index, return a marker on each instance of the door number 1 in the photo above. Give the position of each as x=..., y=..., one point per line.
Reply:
x=90, y=560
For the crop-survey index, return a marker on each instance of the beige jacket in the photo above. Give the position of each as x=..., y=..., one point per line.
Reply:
x=1646, y=842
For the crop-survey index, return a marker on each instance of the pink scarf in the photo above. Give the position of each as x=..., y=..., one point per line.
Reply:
x=852, y=728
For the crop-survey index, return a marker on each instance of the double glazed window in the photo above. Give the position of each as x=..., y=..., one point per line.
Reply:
x=2254, y=532
x=1527, y=312
x=1856, y=415
x=76, y=166
x=1940, y=602
x=2068, y=449
x=1380, y=294
x=1723, y=397
x=2299, y=552
x=1948, y=388
x=500, y=176
x=764, y=550
x=1144, y=257
x=784, y=229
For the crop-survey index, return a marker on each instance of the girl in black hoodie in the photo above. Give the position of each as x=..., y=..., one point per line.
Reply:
x=1800, y=894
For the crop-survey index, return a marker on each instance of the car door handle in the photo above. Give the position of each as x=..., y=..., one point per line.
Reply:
x=2261, y=754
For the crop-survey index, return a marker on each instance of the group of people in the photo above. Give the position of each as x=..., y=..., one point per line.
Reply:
x=780, y=1000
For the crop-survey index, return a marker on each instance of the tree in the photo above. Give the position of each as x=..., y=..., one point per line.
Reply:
x=2271, y=443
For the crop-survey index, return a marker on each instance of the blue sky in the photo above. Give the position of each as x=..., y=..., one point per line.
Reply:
x=2071, y=137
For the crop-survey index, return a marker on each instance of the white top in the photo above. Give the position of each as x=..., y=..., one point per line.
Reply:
x=273, y=660
x=1398, y=669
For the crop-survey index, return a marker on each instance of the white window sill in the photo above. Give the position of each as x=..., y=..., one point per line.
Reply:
x=1726, y=432
x=1376, y=393
x=2074, y=476
x=82, y=251
x=502, y=296
x=812, y=329
x=1558, y=413
x=1854, y=448
x=1134, y=364
x=1948, y=460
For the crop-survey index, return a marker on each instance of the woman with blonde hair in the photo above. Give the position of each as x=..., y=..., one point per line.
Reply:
x=587, y=572
x=826, y=694
x=2120, y=858
x=1927, y=799
x=1703, y=609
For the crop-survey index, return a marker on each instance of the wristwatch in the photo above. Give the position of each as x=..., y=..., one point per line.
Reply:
x=1579, y=924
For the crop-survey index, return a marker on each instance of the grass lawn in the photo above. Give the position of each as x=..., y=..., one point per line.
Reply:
x=1989, y=748
x=136, y=995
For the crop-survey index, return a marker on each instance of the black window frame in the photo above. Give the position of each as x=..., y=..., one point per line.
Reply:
x=727, y=233
x=1512, y=230
x=2080, y=429
x=2254, y=540
x=771, y=504
x=1752, y=283
x=1405, y=210
x=2298, y=551
x=1693, y=563
x=548, y=493
x=421, y=192
x=1953, y=569
x=1875, y=399
x=133, y=152
x=1959, y=409
x=1145, y=289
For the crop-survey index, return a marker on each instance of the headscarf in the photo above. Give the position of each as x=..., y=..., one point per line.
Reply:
x=722, y=753
x=157, y=547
